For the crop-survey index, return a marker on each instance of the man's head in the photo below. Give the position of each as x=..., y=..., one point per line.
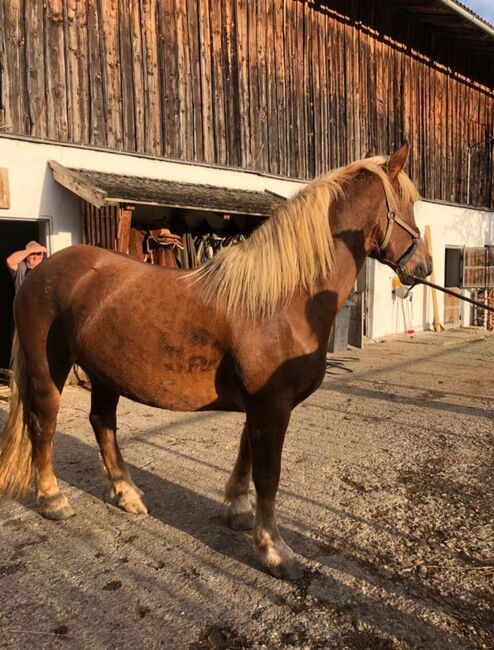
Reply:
x=35, y=254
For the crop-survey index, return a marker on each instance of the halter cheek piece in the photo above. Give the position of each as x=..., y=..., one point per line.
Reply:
x=392, y=219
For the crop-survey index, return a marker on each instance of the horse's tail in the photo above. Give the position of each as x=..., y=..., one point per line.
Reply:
x=16, y=446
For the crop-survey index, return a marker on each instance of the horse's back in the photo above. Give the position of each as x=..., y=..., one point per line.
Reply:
x=81, y=278
x=139, y=328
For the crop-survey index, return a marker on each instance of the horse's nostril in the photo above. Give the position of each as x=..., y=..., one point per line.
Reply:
x=421, y=270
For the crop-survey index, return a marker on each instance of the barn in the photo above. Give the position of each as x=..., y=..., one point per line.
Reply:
x=178, y=124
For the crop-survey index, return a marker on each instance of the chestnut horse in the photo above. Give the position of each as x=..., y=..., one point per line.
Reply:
x=247, y=331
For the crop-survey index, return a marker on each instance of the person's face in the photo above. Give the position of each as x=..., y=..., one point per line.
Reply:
x=34, y=259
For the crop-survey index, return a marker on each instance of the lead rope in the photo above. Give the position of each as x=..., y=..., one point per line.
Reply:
x=452, y=293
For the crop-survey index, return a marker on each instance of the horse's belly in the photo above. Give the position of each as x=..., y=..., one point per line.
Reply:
x=178, y=382
x=172, y=362
x=192, y=391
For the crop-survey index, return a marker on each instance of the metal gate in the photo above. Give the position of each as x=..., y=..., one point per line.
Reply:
x=356, y=330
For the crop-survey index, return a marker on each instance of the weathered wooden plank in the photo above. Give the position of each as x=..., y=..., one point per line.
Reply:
x=194, y=49
x=100, y=227
x=309, y=90
x=126, y=72
x=277, y=67
x=169, y=72
x=241, y=40
x=322, y=106
x=84, y=226
x=92, y=237
x=260, y=90
x=341, y=124
x=271, y=90
x=77, y=54
x=7, y=70
x=151, y=77
x=220, y=153
x=205, y=80
x=292, y=135
x=104, y=224
x=138, y=74
x=56, y=89
x=184, y=95
x=113, y=226
x=348, y=34
x=35, y=67
x=452, y=130
x=124, y=221
x=16, y=110
x=300, y=95
x=230, y=84
x=97, y=107
x=110, y=56
x=329, y=32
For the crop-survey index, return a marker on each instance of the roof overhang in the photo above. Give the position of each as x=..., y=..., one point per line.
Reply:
x=455, y=21
x=102, y=189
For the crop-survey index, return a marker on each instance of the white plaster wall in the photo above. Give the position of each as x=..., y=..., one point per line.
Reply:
x=450, y=226
x=34, y=194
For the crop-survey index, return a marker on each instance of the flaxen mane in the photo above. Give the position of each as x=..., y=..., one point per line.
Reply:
x=290, y=251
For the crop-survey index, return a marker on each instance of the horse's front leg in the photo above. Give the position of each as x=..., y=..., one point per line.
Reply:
x=239, y=511
x=266, y=429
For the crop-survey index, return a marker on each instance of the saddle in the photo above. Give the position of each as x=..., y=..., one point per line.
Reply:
x=162, y=247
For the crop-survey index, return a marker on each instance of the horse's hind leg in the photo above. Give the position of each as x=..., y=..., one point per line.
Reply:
x=239, y=511
x=45, y=402
x=103, y=418
x=266, y=428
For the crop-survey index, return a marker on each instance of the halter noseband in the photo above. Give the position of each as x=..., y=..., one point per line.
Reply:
x=392, y=219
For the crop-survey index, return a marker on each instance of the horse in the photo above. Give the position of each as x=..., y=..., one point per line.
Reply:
x=245, y=332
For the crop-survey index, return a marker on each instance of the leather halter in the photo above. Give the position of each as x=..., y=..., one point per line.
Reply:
x=415, y=234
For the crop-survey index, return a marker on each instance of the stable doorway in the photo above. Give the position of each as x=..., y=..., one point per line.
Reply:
x=14, y=235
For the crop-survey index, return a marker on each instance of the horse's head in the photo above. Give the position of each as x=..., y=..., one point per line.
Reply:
x=398, y=241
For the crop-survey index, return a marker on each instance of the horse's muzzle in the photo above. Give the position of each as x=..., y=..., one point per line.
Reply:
x=419, y=269
x=423, y=269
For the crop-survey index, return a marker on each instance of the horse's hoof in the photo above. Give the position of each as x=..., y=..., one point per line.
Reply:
x=133, y=505
x=56, y=508
x=289, y=570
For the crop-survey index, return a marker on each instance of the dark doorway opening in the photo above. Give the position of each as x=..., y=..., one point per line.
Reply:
x=14, y=235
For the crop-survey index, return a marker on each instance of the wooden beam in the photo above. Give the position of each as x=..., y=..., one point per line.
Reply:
x=123, y=237
x=436, y=322
x=78, y=185
x=4, y=189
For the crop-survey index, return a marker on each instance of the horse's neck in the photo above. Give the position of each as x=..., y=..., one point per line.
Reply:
x=329, y=295
x=347, y=264
x=352, y=236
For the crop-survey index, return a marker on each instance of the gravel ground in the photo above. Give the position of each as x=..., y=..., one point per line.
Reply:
x=386, y=493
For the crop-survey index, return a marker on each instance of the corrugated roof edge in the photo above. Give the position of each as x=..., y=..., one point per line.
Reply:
x=470, y=15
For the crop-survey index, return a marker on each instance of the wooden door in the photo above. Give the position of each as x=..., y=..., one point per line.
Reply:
x=451, y=309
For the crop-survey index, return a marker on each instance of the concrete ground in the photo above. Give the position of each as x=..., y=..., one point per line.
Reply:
x=386, y=494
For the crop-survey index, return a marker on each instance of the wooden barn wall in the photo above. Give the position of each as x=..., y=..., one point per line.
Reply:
x=278, y=86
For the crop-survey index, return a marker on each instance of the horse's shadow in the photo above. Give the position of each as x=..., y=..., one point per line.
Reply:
x=170, y=503
x=201, y=517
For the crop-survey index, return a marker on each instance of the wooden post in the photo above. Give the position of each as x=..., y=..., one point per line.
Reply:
x=124, y=219
x=436, y=322
x=4, y=188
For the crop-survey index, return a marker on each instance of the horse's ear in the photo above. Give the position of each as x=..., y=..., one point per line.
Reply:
x=371, y=153
x=397, y=160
